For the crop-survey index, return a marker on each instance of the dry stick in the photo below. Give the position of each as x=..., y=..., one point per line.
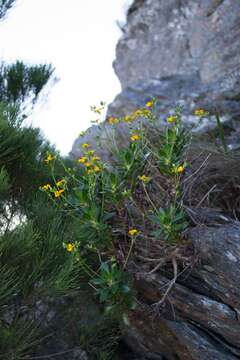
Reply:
x=162, y=261
x=179, y=274
x=157, y=266
x=189, y=211
x=203, y=163
x=206, y=195
x=129, y=252
x=171, y=284
x=48, y=356
x=186, y=189
x=149, y=199
x=148, y=259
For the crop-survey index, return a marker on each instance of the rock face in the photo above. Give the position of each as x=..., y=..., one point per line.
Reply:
x=187, y=51
x=182, y=52
x=200, y=318
x=168, y=38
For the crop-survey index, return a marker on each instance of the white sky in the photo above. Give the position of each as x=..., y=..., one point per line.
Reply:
x=78, y=37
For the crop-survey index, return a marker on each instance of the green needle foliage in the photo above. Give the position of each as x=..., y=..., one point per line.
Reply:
x=5, y=5
x=33, y=262
x=19, y=81
x=16, y=340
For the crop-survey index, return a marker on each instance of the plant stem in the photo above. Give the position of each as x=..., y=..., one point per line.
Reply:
x=129, y=252
x=221, y=133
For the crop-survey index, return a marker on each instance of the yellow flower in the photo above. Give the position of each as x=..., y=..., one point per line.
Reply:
x=112, y=120
x=172, y=119
x=49, y=158
x=144, y=178
x=137, y=113
x=58, y=193
x=70, y=247
x=90, y=171
x=88, y=164
x=135, y=137
x=96, y=168
x=201, y=112
x=180, y=169
x=128, y=118
x=133, y=232
x=150, y=104
x=141, y=112
x=46, y=187
x=95, y=158
x=90, y=152
x=97, y=110
x=146, y=112
x=85, y=145
x=61, y=183
x=82, y=160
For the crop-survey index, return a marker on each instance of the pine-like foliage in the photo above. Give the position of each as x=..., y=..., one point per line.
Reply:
x=19, y=81
x=33, y=262
x=5, y=5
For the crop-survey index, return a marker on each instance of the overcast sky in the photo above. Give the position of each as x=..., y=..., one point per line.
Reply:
x=79, y=38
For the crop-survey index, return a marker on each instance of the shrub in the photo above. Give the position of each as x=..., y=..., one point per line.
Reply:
x=117, y=207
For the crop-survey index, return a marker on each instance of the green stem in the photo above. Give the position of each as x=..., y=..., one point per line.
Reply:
x=129, y=252
x=221, y=133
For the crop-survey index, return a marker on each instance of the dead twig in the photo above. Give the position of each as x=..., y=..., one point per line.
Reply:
x=170, y=285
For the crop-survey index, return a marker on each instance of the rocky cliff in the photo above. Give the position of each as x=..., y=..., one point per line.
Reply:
x=185, y=52
x=181, y=52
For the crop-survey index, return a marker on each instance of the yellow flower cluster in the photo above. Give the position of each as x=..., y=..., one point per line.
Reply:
x=142, y=112
x=137, y=114
x=112, y=120
x=201, y=112
x=98, y=110
x=56, y=191
x=89, y=160
x=82, y=160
